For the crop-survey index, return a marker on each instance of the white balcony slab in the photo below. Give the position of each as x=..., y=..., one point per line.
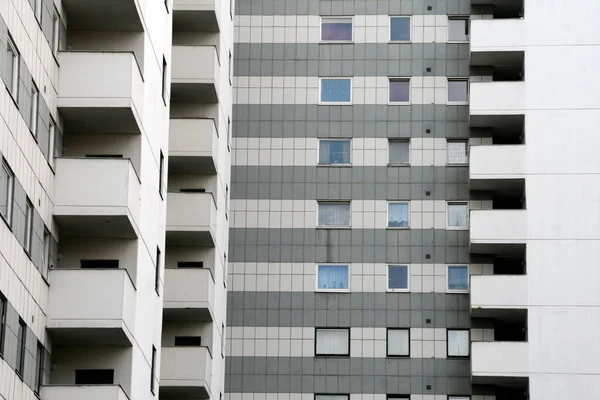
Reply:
x=191, y=219
x=195, y=74
x=189, y=294
x=193, y=146
x=196, y=15
x=185, y=372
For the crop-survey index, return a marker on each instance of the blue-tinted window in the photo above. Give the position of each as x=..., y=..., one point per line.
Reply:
x=335, y=29
x=399, y=90
x=397, y=277
x=398, y=215
x=458, y=277
x=336, y=90
x=400, y=28
x=333, y=277
x=334, y=152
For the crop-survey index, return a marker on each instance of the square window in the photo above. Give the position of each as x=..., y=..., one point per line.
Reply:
x=398, y=342
x=332, y=341
x=399, y=90
x=399, y=151
x=334, y=214
x=397, y=278
x=458, y=278
x=399, y=28
x=458, y=343
x=457, y=152
x=458, y=91
x=334, y=151
x=398, y=214
x=333, y=277
x=458, y=29
x=458, y=215
x=336, y=90
x=336, y=29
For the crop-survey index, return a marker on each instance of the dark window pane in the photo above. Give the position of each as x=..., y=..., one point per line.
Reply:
x=398, y=277
x=336, y=29
x=187, y=340
x=334, y=152
x=458, y=278
x=190, y=264
x=400, y=28
x=100, y=264
x=399, y=90
x=335, y=90
x=94, y=376
x=458, y=91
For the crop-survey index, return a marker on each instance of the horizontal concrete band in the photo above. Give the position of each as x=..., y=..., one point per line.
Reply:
x=361, y=59
x=347, y=375
x=357, y=309
x=352, y=7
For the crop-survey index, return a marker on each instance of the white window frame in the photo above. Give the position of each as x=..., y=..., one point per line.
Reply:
x=448, y=290
x=319, y=202
x=319, y=163
x=389, y=92
x=336, y=103
x=388, y=214
x=35, y=104
x=46, y=254
x=407, y=140
x=331, y=354
x=458, y=103
x=468, y=331
x=350, y=17
x=10, y=192
x=317, y=289
x=28, y=225
x=387, y=343
x=51, y=139
x=387, y=278
x=466, y=141
x=14, y=84
x=55, y=31
x=458, y=228
x=462, y=18
x=410, y=33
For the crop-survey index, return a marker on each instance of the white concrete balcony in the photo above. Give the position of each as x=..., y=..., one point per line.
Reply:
x=196, y=15
x=100, y=92
x=497, y=98
x=497, y=35
x=193, y=146
x=498, y=362
x=104, y=15
x=185, y=372
x=191, y=219
x=189, y=294
x=195, y=74
x=491, y=294
x=91, y=307
x=497, y=231
x=79, y=392
x=97, y=197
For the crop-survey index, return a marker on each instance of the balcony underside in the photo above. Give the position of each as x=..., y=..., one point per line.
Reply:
x=505, y=314
x=498, y=185
x=103, y=15
x=184, y=392
x=509, y=123
x=192, y=165
x=195, y=21
x=499, y=249
x=193, y=92
x=189, y=238
x=97, y=226
x=100, y=120
x=115, y=336
x=187, y=312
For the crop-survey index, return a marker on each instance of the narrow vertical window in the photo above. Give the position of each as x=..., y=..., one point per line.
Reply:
x=51, y=139
x=39, y=368
x=55, y=31
x=38, y=10
x=46, y=254
x=6, y=191
x=21, y=340
x=2, y=322
x=164, y=80
x=161, y=171
x=167, y=5
x=224, y=270
x=229, y=134
x=157, y=273
x=227, y=202
x=28, y=225
x=230, y=68
x=222, y=340
x=13, y=68
x=153, y=370
x=35, y=100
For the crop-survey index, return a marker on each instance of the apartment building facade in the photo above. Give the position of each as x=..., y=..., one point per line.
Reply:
x=397, y=174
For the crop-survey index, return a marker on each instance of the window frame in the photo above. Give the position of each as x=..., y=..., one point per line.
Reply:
x=16, y=63
x=410, y=28
x=349, y=202
x=39, y=370
x=164, y=80
x=467, y=148
x=457, y=228
x=55, y=32
x=458, y=79
x=467, y=290
x=328, y=328
x=161, y=173
x=389, y=202
x=320, y=290
x=335, y=103
x=392, y=140
x=29, y=211
x=320, y=164
x=399, y=79
x=20, y=366
x=458, y=18
x=387, y=343
x=153, y=371
x=387, y=279
x=46, y=252
x=10, y=193
x=35, y=106
x=448, y=343
x=157, y=271
x=3, y=311
x=350, y=17
x=51, y=139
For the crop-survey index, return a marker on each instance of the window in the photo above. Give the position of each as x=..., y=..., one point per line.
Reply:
x=230, y=67
x=161, y=171
x=397, y=278
x=225, y=266
x=187, y=340
x=39, y=370
x=228, y=134
x=398, y=214
x=459, y=398
x=458, y=278
x=458, y=29
x=38, y=10
x=331, y=397
x=332, y=341
x=397, y=397
x=55, y=31
x=334, y=214
x=398, y=342
x=458, y=342
x=28, y=225
x=226, y=201
x=399, y=151
x=21, y=340
x=13, y=68
x=336, y=29
x=399, y=28
x=157, y=272
x=190, y=264
x=6, y=191
x=99, y=264
x=399, y=90
x=35, y=100
x=3, y=304
x=46, y=255
x=94, y=376
x=334, y=152
x=336, y=90
x=333, y=277
x=458, y=91
x=458, y=215
x=152, y=369
x=164, y=80
x=51, y=141
x=223, y=340
x=457, y=152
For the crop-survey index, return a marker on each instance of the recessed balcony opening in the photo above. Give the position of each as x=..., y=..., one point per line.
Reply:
x=499, y=9
x=181, y=333
x=503, y=325
x=514, y=389
x=499, y=194
x=509, y=264
x=498, y=66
